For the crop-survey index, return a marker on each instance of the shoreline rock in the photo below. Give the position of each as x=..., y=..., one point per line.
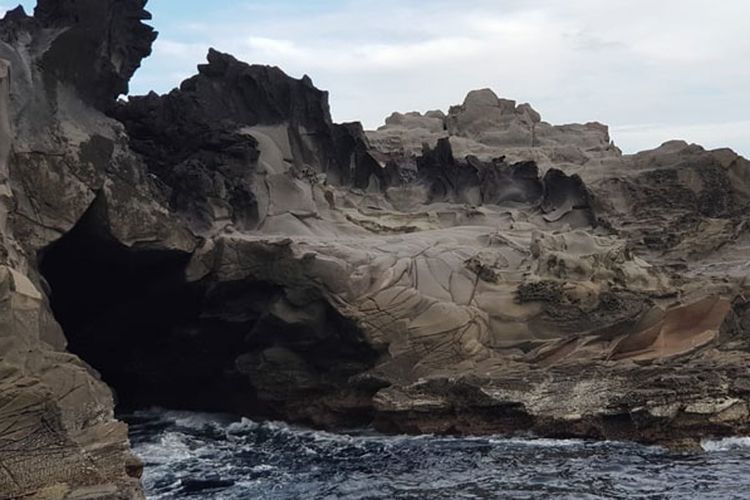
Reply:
x=227, y=247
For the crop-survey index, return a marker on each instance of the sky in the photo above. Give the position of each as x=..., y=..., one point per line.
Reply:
x=652, y=70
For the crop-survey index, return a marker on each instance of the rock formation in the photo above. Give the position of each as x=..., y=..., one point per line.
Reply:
x=228, y=247
x=487, y=127
x=61, y=158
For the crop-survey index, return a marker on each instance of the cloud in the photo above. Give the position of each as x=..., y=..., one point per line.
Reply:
x=275, y=47
x=623, y=62
x=369, y=58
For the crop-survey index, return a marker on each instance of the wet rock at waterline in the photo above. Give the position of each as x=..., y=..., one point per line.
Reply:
x=227, y=247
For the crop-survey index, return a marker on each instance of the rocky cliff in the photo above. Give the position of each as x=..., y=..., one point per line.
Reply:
x=228, y=247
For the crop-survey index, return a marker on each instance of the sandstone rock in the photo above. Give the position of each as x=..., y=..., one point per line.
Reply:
x=228, y=247
x=487, y=126
x=61, y=157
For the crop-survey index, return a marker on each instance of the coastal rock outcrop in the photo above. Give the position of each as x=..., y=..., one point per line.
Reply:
x=487, y=126
x=227, y=247
x=212, y=139
x=61, y=157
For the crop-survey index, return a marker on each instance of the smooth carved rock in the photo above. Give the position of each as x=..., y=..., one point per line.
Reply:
x=205, y=139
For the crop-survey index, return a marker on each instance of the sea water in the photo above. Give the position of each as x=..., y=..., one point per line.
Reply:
x=197, y=455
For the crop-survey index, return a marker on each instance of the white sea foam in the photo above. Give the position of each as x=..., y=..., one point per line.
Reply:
x=540, y=442
x=243, y=426
x=263, y=468
x=171, y=446
x=274, y=460
x=726, y=444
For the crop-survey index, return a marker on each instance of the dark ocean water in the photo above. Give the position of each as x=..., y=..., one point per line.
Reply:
x=197, y=455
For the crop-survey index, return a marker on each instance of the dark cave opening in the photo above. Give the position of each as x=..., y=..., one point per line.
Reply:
x=242, y=347
x=131, y=315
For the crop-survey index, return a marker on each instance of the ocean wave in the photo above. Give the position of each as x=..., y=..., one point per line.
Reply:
x=201, y=455
x=726, y=444
x=541, y=442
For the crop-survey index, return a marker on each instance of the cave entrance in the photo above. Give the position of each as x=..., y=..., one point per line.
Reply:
x=132, y=316
x=243, y=347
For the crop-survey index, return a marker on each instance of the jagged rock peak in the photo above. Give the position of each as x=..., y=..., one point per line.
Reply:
x=232, y=121
x=253, y=94
x=110, y=32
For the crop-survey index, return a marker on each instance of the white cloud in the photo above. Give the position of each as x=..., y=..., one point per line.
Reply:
x=679, y=62
x=274, y=46
x=366, y=58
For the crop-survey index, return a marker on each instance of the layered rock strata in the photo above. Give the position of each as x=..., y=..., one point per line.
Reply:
x=59, y=156
x=228, y=247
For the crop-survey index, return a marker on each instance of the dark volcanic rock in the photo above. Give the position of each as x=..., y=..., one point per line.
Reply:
x=201, y=139
x=519, y=182
x=225, y=94
x=109, y=32
x=447, y=178
x=563, y=194
x=356, y=165
x=496, y=182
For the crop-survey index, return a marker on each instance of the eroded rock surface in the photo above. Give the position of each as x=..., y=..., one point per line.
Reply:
x=59, y=156
x=228, y=247
x=488, y=126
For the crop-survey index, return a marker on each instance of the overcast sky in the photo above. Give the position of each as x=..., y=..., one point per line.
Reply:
x=652, y=70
